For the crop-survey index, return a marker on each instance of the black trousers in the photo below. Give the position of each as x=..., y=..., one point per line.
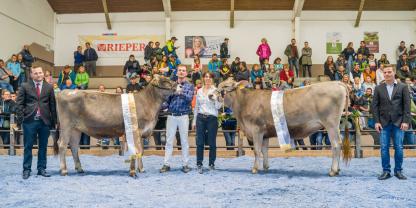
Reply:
x=206, y=128
x=31, y=131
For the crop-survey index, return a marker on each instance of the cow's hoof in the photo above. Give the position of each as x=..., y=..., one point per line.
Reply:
x=333, y=173
x=80, y=170
x=254, y=171
x=64, y=173
x=133, y=174
x=140, y=170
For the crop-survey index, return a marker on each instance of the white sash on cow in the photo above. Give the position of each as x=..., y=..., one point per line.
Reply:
x=279, y=119
x=130, y=122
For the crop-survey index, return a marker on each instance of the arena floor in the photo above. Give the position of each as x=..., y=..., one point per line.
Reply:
x=291, y=182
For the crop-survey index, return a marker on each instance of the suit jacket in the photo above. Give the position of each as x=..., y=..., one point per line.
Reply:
x=391, y=111
x=28, y=102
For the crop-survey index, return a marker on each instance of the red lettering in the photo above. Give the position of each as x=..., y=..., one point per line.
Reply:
x=135, y=47
x=128, y=46
x=110, y=47
x=142, y=46
x=101, y=47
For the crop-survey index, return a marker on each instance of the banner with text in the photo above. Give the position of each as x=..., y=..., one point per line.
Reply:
x=204, y=46
x=113, y=46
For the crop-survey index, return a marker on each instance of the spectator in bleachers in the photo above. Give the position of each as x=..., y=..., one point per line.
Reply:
x=401, y=50
x=82, y=79
x=402, y=62
x=68, y=85
x=349, y=54
x=256, y=74
x=277, y=65
x=369, y=83
x=263, y=51
x=356, y=72
x=162, y=66
x=235, y=66
x=22, y=77
x=5, y=77
x=363, y=49
x=306, y=60
x=225, y=70
x=48, y=77
x=224, y=49
x=363, y=106
x=157, y=51
x=56, y=88
x=13, y=96
x=155, y=70
x=265, y=66
x=372, y=62
x=361, y=61
x=90, y=58
x=383, y=60
x=243, y=73
x=65, y=74
x=271, y=76
x=28, y=60
x=412, y=57
x=148, y=52
x=291, y=52
x=357, y=88
x=131, y=66
x=133, y=86
x=379, y=74
x=229, y=123
x=196, y=70
x=368, y=73
x=206, y=121
x=214, y=66
x=329, y=68
x=346, y=80
x=341, y=62
x=7, y=106
x=404, y=72
x=286, y=73
x=78, y=58
x=286, y=85
x=14, y=66
x=339, y=74
x=173, y=66
x=170, y=47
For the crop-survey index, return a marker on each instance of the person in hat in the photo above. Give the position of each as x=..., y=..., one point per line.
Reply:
x=133, y=86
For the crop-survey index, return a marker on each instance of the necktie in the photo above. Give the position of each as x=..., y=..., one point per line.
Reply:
x=38, y=93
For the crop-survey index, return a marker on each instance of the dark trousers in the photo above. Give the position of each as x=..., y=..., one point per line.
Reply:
x=31, y=131
x=5, y=136
x=307, y=68
x=300, y=142
x=85, y=140
x=229, y=139
x=206, y=127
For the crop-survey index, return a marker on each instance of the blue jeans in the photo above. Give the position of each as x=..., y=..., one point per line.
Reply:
x=409, y=138
x=22, y=78
x=31, y=131
x=6, y=86
x=397, y=134
x=206, y=127
x=85, y=140
x=349, y=64
x=229, y=139
x=293, y=62
x=317, y=139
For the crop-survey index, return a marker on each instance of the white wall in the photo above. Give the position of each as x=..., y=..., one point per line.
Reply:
x=24, y=22
x=250, y=27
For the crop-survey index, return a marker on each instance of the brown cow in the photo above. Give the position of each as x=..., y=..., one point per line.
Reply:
x=307, y=110
x=100, y=115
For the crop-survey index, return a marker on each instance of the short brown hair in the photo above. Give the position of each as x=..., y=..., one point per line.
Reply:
x=34, y=67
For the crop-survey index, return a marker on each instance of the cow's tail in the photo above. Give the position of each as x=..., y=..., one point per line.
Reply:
x=346, y=146
x=55, y=140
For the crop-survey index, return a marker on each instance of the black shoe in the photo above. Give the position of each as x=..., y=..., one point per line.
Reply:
x=212, y=167
x=26, y=174
x=200, y=171
x=185, y=169
x=400, y=176
x=43, y=173
x=384, y=176
x=165, y=168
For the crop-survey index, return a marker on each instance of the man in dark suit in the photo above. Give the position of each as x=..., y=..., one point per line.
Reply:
x=391, y=110
x=36, y=106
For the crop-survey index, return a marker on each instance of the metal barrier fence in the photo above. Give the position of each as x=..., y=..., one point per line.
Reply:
x=358, y=152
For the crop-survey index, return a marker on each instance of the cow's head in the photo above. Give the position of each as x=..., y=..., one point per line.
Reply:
x=166, y=86
x=228, y=86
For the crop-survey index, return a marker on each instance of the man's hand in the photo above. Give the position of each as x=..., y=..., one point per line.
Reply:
x=378, y=127
x=404, y=126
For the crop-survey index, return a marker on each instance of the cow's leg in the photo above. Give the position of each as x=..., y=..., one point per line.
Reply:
x=74, y=142
x=334, y=137
x=65, y=135
x=140, y=167
x=258, y=141
x=133, y=167
x=265, y=151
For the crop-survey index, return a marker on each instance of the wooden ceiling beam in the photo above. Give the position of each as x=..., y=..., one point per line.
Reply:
x=167, y=7
x=360, y=11
x=232, y=14
x=107, y=16
x=297, y=8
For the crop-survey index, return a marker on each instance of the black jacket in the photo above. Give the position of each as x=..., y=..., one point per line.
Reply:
x=224, y=51
x=90, y=54
x=28, y=102
x=396, y=110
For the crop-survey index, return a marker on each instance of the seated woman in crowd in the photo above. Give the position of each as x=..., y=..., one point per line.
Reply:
x=329, y=68
x=206, y=121
x=277, y=65
x=286, y=73
x=243, y=73
x=383, y=60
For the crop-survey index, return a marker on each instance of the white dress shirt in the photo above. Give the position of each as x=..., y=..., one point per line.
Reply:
x=205, y=105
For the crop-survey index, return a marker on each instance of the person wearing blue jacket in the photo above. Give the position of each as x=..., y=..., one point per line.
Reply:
x=65, y=74
x=78, y=58
x=14, y=67
x=229, y=123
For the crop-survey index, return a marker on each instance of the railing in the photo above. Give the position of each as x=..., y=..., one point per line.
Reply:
x=240, y=146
